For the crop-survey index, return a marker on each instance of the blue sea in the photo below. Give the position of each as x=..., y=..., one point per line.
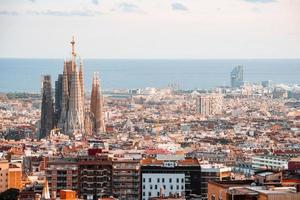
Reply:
x=24, y=75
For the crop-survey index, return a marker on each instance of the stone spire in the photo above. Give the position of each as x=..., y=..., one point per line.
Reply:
x=65, y=98
x=100, y=116
x=76, y=112
x=47, y=111
x=97, y=105
x=72, y=105
x=58, y=99
x=81, y=80
x=73, y=53
x=93, y=95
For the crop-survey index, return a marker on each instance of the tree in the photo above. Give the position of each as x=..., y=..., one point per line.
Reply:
x=10, y=194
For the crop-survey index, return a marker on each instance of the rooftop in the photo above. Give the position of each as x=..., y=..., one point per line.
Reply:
x=185, y=162
x=232, y=183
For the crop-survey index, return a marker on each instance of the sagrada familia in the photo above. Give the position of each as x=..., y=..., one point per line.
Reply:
x=69, y=113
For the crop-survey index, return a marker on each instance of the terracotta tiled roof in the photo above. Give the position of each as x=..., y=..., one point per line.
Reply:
x=157, y=151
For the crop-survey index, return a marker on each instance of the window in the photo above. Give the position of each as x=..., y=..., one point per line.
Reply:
x=164, y=186
x=177, y=180
x=182, y=180
x=158, y=180
x=155, y=187
x=143, y=194
x=171, y=187
x=170, y=180
x=213, y=197
x=149, y=194
x=163, y=180
x=149, y=180
x=177, y=187
x=158, y=194
x=151, y=187
x=182, y=187
x=144, y=180
x=143, y=186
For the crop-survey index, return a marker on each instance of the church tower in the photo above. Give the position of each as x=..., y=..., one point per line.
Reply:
x=96, y=106
x=72, y=102
x=47, y=110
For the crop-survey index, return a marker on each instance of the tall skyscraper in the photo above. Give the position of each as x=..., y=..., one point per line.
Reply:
x=209, y=104
x=72, y=97
x=97, y=105
x=47, y=112
x=237, y=76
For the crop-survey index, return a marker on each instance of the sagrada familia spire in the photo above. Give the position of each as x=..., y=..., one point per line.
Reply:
x=97, y=105
x=47, y=112
x=71, y=118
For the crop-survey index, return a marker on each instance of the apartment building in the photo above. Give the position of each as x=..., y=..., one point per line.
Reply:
x=4, y=166
x=167, y=178
x=62, y=174
x=10, y=175
x=269, y=162
x=209, y=104
x=125, y=177
x=212, y=172
x=247, y=190
x=95, y=176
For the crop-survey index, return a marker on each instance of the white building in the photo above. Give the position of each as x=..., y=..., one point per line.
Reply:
x=269, y=162
x=168, y=184
x=209, y=104
x=167, y=178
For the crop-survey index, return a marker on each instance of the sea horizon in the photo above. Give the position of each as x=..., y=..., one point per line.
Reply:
x=121, y=73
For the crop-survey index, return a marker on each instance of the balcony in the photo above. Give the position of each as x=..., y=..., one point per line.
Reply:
x=117, y=180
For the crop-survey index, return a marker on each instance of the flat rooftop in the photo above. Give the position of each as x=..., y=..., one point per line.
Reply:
x=155, y=162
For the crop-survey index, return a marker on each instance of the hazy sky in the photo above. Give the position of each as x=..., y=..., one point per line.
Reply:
x=151, y=28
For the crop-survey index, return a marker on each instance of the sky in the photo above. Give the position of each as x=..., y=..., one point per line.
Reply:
x=162, y=29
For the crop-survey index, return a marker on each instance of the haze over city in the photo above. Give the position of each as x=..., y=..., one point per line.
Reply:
x=151, y=28
x=150, y=100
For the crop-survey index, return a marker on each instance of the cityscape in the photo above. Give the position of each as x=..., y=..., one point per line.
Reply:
x=73, y=141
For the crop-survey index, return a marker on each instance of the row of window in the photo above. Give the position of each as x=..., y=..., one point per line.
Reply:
x=164, y=186
x=163, y=180
x=125, y=173
x=123, y=165
x=157, y=194
x=270, y=161
x=94, y=173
